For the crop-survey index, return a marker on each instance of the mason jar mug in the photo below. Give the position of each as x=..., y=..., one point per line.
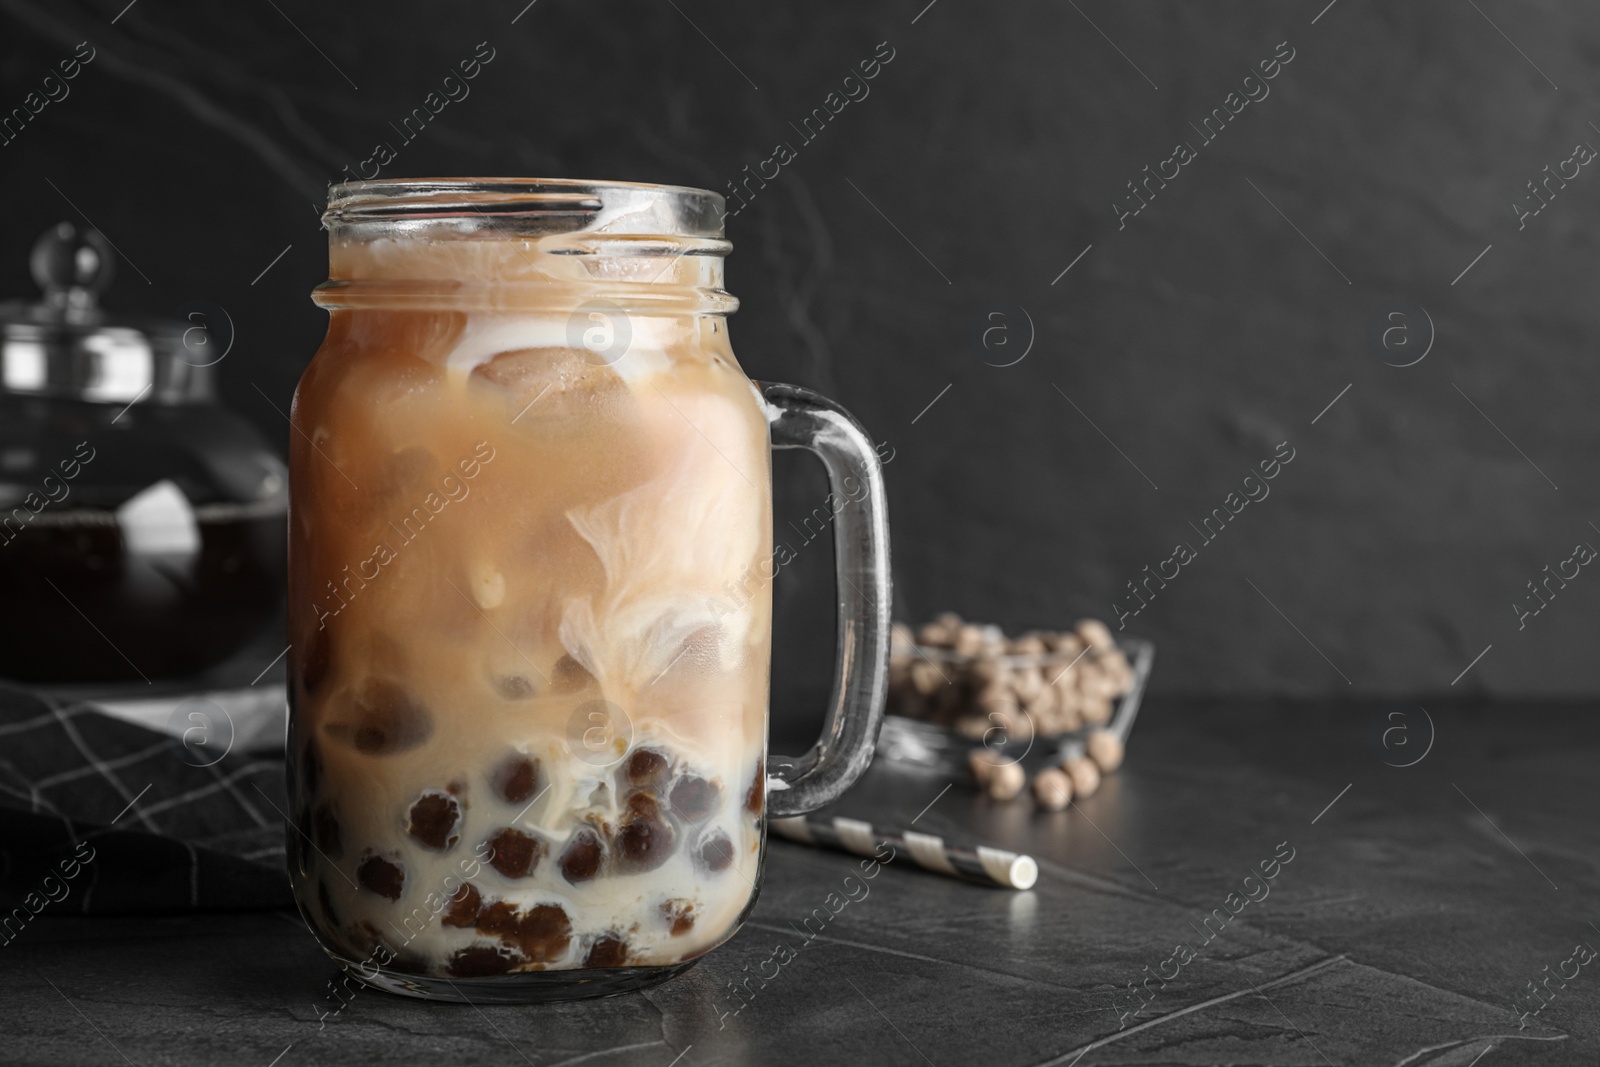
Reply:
x=530, y=612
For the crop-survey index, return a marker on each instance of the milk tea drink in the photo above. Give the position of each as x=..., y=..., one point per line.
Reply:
x=529, y=670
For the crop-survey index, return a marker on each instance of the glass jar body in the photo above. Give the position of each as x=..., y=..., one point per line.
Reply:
x=530, y=636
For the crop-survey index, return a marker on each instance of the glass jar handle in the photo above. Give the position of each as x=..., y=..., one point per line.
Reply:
x=800, y=418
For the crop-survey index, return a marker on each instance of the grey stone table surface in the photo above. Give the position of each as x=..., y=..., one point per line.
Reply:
x=1419, y=904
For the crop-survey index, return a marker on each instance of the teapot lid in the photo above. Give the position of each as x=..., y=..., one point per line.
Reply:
x=65, y=345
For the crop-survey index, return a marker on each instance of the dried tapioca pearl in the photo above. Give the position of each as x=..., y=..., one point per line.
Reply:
x=1028, y=645
x=479, y=961
x=1085, y=775
x=383, y=720
x=974, y=727
x=569, y=676
x=381, y=876
x=1068, y=645
x=1006, y=781
x=513, y=687
x=581, y=859
x=1094, y=632
x=434, y=818
x=679, y=915
x=981, y=762
x=900, y=638
x=968, y=640
x=926, y=677
x=608, y=951
x=1105, y=748
x=1096, y=710
x=514, y=853
x=987, y=672
x=716, y=851
x=694, y=798
x=1052, y=789
x=517, y=778
x=325, y=829
x=647, y=768
x=464, y=907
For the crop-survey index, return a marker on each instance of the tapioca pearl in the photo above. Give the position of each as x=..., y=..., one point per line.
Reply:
x=679, y=915
x=513, y=687
x=517, y=778
x=541, y=933
x=465, y=904
x=434, y=819
x=582, y=858
x=514, y=853
x=569, y=676
x=497, y=917
x=755, y=798
x=608, y=951
x=694, y=798
x=716, y=851
x=544, y=933
x=481, y=961
x=382, y=720
x=647, y=768
x=381, y=876
x=645, y=841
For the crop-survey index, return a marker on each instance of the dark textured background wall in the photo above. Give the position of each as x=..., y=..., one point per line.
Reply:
x=1177, y=352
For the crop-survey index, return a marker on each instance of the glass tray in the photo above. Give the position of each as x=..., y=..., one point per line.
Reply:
x=925, y=744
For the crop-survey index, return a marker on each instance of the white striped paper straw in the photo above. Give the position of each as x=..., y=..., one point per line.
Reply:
x=990, y=866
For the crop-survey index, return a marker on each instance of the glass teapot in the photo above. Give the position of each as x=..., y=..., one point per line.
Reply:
x=141, y=523
x=530, y=600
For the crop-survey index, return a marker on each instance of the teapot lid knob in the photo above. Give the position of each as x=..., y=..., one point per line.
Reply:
x=71, y=264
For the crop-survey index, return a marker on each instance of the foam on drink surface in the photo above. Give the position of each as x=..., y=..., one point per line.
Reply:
x=530, y=666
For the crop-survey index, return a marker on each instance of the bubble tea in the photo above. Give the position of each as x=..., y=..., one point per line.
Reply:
x=530, y=612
